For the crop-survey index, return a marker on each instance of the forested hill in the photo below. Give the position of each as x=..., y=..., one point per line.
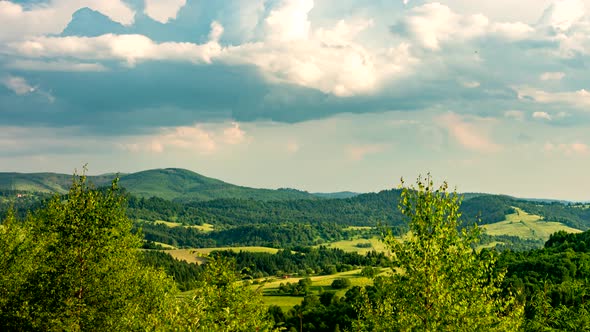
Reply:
x=184, y=185
x=169, y=183
x=192, y=198
x=361, y=210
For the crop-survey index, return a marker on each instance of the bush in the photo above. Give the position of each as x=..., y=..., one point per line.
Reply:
x=340, y=283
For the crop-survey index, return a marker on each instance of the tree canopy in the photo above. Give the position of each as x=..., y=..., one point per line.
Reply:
x=440, y=281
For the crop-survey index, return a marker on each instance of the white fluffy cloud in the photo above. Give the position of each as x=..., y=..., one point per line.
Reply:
x=579, y=99
x=163, y=10
x=196, y=138
x=434, y=24
x=332, y=56
x=127, y=48
x=542, y=115
x=563, y=14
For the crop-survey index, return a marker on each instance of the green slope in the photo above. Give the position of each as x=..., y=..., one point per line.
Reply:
x=170, y=183
x=184, y=185
x=528, y=226
x=44, y=182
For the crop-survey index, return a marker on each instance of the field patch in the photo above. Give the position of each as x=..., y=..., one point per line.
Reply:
x=528, y=226
x=203, y=228
x=187, y=255
x=198, y=255
x=319, y=284
x=361, y=246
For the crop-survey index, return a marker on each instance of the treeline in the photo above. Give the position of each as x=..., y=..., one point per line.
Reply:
x=280, y=224
x=553, y=282
x=75, y=266
x=306, y=261
x=185, y=274
x=268, y=235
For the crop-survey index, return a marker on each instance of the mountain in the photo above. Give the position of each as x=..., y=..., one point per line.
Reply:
x=184, y=185
x=45, y=182
x=340, y=194
x=170, y=183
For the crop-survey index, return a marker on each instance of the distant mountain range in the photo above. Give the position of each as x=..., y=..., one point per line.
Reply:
x=169, y=183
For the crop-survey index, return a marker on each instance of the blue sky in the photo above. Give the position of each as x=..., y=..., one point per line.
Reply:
x=324, y=95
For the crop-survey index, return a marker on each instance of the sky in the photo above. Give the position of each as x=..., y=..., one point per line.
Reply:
x=319, y=95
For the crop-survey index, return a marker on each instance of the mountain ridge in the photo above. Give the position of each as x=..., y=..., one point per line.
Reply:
x=168, y=183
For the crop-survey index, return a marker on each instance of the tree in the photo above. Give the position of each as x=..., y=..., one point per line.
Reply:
x=440, y=281
x=340, y=283
x=18, y=253
x=221, y=302
x=86, y=274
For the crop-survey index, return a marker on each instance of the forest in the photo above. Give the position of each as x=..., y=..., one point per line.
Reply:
x=93, y=260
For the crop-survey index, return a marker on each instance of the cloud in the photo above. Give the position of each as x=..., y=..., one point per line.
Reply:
x=433, y=24
x=127, y=48
x=514, y=114
x=298, y=55
x=60, y=66
x=359, y=152
x=52, y=17
x=289, y=22
x=18, y=85
x=283, y=55
x=578, y=99
x=470, y=135
x=234, y=134
x=542, y=115
x=197, y=138
x=552, y=76
x=561, y=15
x=293, y=146
x=471, y=84
x=568, y=149
x=163, y=10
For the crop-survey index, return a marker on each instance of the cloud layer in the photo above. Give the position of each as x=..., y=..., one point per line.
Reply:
x=235, y=81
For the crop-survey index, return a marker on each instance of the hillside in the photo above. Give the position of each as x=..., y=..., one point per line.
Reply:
x=170, y=183
x=45, y=182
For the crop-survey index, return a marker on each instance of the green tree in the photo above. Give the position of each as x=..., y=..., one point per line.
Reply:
x=18, y=259
x=86, y=274
x=440, y=283
x=221, y=302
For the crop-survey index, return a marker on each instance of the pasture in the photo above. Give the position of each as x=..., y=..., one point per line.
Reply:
x=198, y=255
x=203, y=228
x=359, y=245
x=526, y=225
x=319, y=284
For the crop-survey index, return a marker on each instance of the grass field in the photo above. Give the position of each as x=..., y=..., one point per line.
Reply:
x=525, y=225
x=351, y=245
x=203, y=228
x=358, y=228
x=319, y=284
x=197, y=255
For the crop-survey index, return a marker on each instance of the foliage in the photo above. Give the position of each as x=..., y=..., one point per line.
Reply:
x=223, y=303
x=441, y=283
x=340, y=283
x=184, y=274
x=303, y=262
x=86, y=275
x=300, y=288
